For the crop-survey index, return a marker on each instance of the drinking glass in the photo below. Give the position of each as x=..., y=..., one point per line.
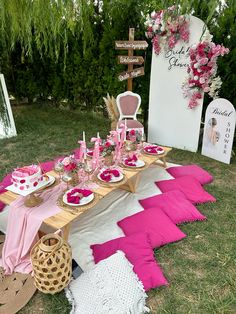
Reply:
x=59, y=168
x=67, y=178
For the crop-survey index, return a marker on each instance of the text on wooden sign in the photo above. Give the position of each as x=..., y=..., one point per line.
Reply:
x=131, y=74
x=136, y=45
x=130, y=60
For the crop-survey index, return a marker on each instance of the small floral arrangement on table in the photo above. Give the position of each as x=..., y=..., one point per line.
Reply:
x=202, y=71
x=134, y=136
x=108, y=148
x=166, y=28
x=69, y=163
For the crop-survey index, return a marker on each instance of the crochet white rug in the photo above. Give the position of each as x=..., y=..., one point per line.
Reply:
x=98, y=224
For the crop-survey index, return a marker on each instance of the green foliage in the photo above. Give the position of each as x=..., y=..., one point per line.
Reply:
x=65, y=49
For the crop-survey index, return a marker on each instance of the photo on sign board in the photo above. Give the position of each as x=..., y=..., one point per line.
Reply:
x=212, y=135
x=219, y=130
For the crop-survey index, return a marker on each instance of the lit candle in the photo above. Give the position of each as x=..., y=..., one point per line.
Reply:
x=98, y=135
x=83, y=136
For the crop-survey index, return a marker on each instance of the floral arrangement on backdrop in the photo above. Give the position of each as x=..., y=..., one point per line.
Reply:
x=166, y=28
x=202, y=70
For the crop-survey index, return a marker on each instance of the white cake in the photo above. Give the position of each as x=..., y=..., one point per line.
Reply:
x=26, y=178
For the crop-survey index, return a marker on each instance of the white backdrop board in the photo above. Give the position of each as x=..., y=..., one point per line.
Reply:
x=171, y=122
x=7, y=124
x=219, y=130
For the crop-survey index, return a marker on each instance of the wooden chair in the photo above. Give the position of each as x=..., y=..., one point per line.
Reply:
x=128, y=104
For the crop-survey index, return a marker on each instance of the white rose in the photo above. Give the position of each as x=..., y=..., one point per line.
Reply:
x=153, y=14
x=155, y=27
x=196, y=78
x=196, y=65
x=202, y=80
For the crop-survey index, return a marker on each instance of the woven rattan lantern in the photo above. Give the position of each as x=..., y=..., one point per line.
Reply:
x=52, y=263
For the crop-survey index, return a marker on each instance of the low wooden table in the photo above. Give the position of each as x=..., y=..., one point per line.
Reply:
x=63, y=219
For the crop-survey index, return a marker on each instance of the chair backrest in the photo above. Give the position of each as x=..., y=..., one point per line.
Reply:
x=128, y=104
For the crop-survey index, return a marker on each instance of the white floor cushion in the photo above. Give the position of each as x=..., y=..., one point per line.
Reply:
x=111, y=287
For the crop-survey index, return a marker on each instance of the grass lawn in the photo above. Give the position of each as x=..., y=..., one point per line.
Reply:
x=201, y=269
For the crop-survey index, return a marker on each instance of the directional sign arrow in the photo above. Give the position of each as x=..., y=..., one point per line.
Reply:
x=130, y=60
x=131, y=74
x=135, y=44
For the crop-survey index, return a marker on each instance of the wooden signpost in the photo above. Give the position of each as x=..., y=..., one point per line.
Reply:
x=130, y=60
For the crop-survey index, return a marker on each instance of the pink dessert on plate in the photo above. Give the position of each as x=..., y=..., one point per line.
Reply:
x=27, y=177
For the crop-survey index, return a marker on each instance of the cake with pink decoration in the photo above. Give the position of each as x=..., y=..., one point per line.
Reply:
x=27, y=178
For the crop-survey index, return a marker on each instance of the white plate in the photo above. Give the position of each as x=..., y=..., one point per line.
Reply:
x=83, y=201
x=138, y=164
x=113, y=179
x=159, y=152
x=42, y=184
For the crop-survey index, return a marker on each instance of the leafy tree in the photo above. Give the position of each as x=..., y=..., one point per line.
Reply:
x=65, y=48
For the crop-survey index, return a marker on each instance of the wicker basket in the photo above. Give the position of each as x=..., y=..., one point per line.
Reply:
x=52, y=263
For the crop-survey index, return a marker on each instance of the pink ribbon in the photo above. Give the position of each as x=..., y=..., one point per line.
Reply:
x=122, y=136
x=83, y=150
x=114, y=135
x=96, y=152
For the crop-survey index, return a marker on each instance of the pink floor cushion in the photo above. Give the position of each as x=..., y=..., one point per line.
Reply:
x=190, y=186
x=156, y=223
x=195, y=171
x=138, y=251
x=175, y=206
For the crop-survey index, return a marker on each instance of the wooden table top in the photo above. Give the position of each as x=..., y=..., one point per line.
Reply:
x=63, y=218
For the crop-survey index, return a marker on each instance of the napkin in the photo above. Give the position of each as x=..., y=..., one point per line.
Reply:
x=153, y=149
x=131, y=161
x=107, y=174
x=74, y=198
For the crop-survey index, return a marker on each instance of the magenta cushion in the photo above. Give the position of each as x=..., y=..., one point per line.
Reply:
x=175, y=206
x=190, y=186
x=195, y=171
x=138, y=251
x=156, y=223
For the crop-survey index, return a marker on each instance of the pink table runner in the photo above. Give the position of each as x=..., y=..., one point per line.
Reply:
x=22, y=229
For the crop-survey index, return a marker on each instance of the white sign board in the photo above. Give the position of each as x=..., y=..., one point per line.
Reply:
x=219, y=130
x=7, y=124
x=171, y=122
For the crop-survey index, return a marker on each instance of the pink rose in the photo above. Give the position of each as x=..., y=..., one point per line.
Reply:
x=108, y=144
x=132, y=132
x=70, y=167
